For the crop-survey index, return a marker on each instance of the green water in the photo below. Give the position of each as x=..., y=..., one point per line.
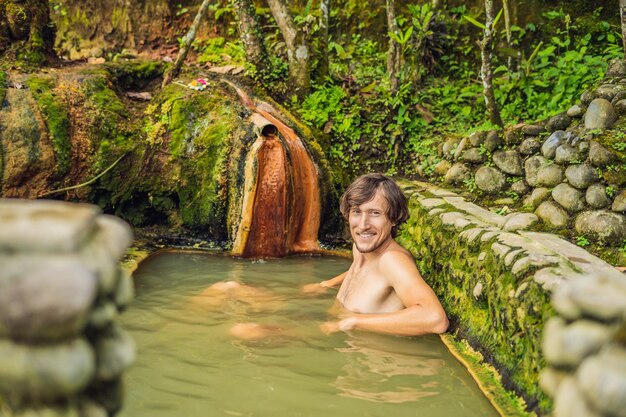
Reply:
x=190, y=366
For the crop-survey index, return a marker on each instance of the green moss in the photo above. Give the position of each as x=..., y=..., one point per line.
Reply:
x=3, y=90
x=55, y=113
x=134, y=74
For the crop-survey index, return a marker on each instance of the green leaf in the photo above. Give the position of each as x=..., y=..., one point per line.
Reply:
x=474, y=22
x=495, y=21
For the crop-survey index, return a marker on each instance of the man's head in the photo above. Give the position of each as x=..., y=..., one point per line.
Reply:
x=370, y=188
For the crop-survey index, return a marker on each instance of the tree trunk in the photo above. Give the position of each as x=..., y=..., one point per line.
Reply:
x=622, y=12
x=187, y=41
x=323, y=40
x=250, y=35
x=297, y=48
x=26, y=32
x=507, y=27
x=393, y=53
x=486, y=50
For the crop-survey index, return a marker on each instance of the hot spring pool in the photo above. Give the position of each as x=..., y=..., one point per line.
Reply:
x=189, y=365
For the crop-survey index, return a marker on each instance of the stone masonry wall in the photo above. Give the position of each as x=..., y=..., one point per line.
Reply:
x=495, y=278
x=61, y=288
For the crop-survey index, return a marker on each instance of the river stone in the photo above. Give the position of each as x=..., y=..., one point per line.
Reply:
x=587, y=97
x=489, y=179
x=533, y=130
x=532, y=166
x=576, y=111
x=617, y=68
x=473, y=156
x=567, y=154
x=457, y=174
x=596, y=196
x=570, y=401
x=519, y=221
x=581, y=176
x=559, y=122
x=45, y=299
x=460, y=148
x=442, y=167
x=550, y=176
x=602, y=225
x=115, y=351
x=556, y=139
x=520, y=187
x=620, y=107
x=44, y=373
x=529, y=146
x=102, y=315
x=619, y=204
x=509, y=162
x=97, y=257
x=65, y=226
x=568, y=197
x=600, y=115
x=114, y=234
x=552, y=214
x=600, y=156
x=538, y=196
x=621, y=95
x=550, y=379
x=492, y=141
x=449, y=147
x=583, y=146
x=608, y=91
x=513, y=137
x=603, y=380
x=477, y=138
x=567, y=345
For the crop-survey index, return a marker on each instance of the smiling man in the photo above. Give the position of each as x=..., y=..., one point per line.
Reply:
x=382, y=291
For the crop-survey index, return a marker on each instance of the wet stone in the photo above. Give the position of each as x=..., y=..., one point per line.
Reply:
x=509, y=162
x=581, y=176
x=567, y=154
x=489, y=179
x=600, y=115
x=603, y=379
x=576, y=111
x=619, y=204
x=550, y=176
x=552, y=214
x=596, y=196
x=538, y=196
x=568, y=197
x=602, y=225
x=533, y=130
x=530, y=146
x=599, y=156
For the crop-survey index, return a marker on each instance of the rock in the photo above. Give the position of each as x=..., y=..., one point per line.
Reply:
x=125, y=291
x=478, y=290
x=566, y=154
x=89, y=408
x=553, y=215
x=550, y=379
x=473, y=156
x=513, y=137
x=587, y=97
x=581, y=176
x=568, y=197
x=600, y=115
x=556, y=139
x=599, y=156
x=567, y=345
x=45, y=373
x=103, y=315
x=570, y=401
x=449, y=147
x=519, y=221
x=45, y=299
x=532, y=166
x=621, y=95
x=493, y=141
x=576, y=111
x=596, y=196
x=619, y=204
x=550, y=176
x=442, y=167
x=489, y=180
x=530, y=146
x=114, y=234
x=559, y=122
x=109, y=395
x=533, y=130
x=620, y=107
x=538, y=196
x=602, y=225
x=477, y=138
x=65, y=225
x=583, y=146
x=457, y=174
x=509, y=162
x=520, y=188
x=460, y=148
x=617, y=68
x=608, y=91
x=603, y=380
x=115, y=351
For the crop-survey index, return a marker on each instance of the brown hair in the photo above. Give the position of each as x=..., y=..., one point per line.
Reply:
x=364, y=188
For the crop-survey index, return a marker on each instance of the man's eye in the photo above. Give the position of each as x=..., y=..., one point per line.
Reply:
x=375, y=213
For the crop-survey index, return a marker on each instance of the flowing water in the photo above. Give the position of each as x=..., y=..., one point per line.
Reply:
x=191, y=365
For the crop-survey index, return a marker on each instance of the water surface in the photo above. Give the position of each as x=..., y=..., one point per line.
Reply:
x=190, y=366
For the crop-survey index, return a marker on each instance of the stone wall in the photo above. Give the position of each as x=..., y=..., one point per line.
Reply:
x=61, y=288
x=495, y=278
x=569, y=170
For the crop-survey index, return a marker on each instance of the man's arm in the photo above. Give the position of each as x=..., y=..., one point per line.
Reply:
x=423, y=313
x=321, y=287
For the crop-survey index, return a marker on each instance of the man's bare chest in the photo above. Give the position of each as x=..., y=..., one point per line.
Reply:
x=366, y=291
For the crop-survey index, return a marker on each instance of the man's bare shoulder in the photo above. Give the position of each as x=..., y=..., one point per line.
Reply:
x=397, y=261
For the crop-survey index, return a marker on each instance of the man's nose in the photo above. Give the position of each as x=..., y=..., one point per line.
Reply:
x=364, y=221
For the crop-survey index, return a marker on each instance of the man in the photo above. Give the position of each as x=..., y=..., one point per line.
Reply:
x=382, y=291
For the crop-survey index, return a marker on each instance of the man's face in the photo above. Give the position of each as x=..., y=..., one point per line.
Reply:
x=369, y=225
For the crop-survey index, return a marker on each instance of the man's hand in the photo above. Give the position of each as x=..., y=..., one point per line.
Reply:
x=344, y=325
x=313, y=289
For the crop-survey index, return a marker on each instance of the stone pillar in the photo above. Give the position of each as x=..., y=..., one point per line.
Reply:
x=585, y=348
x=61, y=289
